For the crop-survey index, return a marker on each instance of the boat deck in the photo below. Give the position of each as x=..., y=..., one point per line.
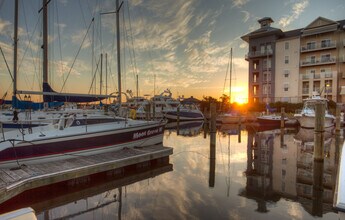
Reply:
x=16, y=181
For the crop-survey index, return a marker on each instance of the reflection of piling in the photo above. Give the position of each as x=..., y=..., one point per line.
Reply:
x=319, y=131
x=282, y=132
x=239, y=128
x=212, y=145
x=337, y=118
x=178, y=120
x=317, y=188
x=282, y=116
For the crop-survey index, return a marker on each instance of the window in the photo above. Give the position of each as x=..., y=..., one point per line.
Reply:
x=312, y=59
x=286, y=45
x=286, y=59
x=326, y=58
x=254, y=90
x=325, y=43
x=286, y=73
x=286, y=87
x=311, y=45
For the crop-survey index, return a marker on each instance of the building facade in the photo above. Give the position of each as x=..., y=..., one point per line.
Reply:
x=297, y=62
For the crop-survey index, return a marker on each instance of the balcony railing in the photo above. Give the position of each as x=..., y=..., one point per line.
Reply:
x=322, y=75
x=319, y=46
x=305, y=90
x=320, y=61
x=255, y=54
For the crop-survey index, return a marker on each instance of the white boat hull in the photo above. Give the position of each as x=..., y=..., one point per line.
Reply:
x=308, y=121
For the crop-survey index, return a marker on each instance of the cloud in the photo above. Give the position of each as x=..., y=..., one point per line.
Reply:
x=246, y=16
x=239, y=3
x=78, y=36
x=296, y=10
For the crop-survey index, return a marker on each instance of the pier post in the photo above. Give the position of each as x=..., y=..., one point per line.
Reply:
x=178, y=120
x=212, y=174
x=337, y=118
x=282, y=116
x=319, y=131
x=239, y=129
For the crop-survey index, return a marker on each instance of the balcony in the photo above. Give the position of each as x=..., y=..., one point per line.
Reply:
x=319, y=46
x=305, y=76
x=328, y=75
x=305, y=91
x=257, y=54
x=320, y=61
x=317, y=76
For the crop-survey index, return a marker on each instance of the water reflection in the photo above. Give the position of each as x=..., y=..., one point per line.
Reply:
x=278, y=167
x=185, y=128
x=241, y=172
x=88, y=195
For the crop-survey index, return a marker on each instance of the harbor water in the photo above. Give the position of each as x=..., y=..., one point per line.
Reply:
x=248, y=173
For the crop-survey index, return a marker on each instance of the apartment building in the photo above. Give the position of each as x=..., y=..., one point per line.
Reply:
x=299, y=61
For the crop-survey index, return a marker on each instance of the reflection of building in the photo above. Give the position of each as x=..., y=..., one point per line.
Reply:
x=282, y=166
x=306, y=172
x=259, y=184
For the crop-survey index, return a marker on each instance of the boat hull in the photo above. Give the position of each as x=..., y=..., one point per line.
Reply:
x=184, y=116
x=307, y=121
x=270, y=121
x=66, y=145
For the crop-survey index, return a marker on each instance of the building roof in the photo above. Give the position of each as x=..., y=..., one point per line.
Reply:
x=268, y=30
x=261, y=32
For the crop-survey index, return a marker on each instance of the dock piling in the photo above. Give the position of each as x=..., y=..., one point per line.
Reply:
x=319, y=131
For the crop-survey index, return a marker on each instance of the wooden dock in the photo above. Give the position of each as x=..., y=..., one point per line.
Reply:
x=14, y=182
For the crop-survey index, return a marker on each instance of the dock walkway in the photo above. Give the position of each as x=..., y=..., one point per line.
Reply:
x=16, y=181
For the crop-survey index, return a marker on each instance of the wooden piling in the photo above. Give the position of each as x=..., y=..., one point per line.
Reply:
x=282, y=116
x=319, y=131
x=212, y=145
x=337, y=117
x=317, y=198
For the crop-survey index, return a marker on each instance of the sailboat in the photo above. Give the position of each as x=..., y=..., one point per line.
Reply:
x=229, y=117
x=61, y=140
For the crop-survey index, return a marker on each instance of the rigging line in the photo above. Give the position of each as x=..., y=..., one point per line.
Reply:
x=8, y=68
x=94, y=75
x=131, y=32
x=28, y=46
x=59, y=40
x=129, y=49
x=226, y=74
x=75, y=58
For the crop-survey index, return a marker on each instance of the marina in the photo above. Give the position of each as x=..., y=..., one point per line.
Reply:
x=113, y=109
x=256, y=173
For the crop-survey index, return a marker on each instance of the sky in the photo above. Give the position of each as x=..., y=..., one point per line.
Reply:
x=182, y=45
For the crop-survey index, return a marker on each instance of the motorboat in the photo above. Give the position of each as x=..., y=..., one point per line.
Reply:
x=186, y=111
x=306, y=117
x=270, y=120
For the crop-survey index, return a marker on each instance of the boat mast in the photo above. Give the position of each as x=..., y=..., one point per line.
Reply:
x=45, y=42
x=15, y=44
x=230, y=76
x=267, y=111
x=118, y=48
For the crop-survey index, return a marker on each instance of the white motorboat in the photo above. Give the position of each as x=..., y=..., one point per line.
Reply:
x=186, y=111
x=306, y=117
